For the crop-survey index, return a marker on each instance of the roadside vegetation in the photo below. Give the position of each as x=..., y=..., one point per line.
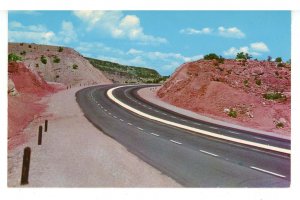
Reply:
x=13, y=57
x=140, y=74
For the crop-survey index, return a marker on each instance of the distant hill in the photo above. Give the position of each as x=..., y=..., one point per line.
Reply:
x=118, y=73
x=57, y=64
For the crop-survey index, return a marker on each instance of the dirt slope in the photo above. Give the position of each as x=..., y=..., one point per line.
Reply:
x=220, y=90
x=62, y=64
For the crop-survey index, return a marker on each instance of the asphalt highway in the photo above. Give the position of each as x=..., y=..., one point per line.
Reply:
x=192, y=159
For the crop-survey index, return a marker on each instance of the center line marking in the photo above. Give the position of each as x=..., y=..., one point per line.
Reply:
x=261, y=138
x=164, y=113
x=140, y=128
x=233, y=132
x=175, y=142
x=266, y=171
x=212, y=154
x=213, y=127
x=154, y=134
x=129, y=124
x=121, y=120
x=115, y=117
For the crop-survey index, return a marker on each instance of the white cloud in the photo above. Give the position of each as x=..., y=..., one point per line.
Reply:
x=67, y=33
x=192, y=31
x=118, y=25
x=259, y=46
x=134, y=51
x=232, y=32
x=255, y=49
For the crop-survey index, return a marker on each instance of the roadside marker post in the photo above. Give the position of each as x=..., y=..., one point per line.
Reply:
x=25, y=166
x=40, y=135
x=46, y=125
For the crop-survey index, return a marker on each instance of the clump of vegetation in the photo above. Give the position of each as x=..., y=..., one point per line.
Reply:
x=43, y=59
x=278, y=59
x=37, y=65
x=23, y=53
x=274, y=96
x=60, y=49
x=269, y=58
x=13, y=57
x=21, y=44
x=56, y=59
x=213, y=56
x=279, y=125
x=29, y=46
x=246, y=83
x=243, y=56
x=258, y=82
x=75, y=66
x=57, y=76
x=280, y=64
x=232, y=113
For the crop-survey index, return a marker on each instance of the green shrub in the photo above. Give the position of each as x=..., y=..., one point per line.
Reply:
x=43, y=59
x=21, y=44
x=75, y=66
x=23, y=53
x=279, y=125
x=13, y=57
x=211, y=56
x=232, y=113
x=278, y=59
x=280, y=65
x=29, y=46
x=56, y=59
x=57, y=76
x=258, y=82
x=246, y=83
x=60, y=49
x=274, y=96
x=243, y=56
x=37, y=65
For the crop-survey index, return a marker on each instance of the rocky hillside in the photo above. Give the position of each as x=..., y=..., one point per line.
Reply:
x=252, y=93
x=118, y=73
x=57, y=64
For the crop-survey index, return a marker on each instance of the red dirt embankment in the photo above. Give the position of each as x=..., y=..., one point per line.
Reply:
x=24, y=104
x=217, y=89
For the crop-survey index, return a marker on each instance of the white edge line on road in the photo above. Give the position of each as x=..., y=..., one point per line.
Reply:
x=266, y=171
x=175, y=142
x=206, y=152
x=208, y=133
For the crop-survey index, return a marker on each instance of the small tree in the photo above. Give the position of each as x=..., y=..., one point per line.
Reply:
x=75, y=66
x=60, y=49
x=56, y=59
x=241, y=55
x=278, y=59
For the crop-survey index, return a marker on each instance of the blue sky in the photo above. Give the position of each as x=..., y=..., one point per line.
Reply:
x=162, y=40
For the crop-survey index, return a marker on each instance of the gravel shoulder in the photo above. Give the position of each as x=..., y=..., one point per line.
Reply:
x=149, y=94
x=76, y=154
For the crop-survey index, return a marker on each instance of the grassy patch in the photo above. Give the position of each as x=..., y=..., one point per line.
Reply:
x=232, y=113
x=43, y=59
x=13, y=57
x=274, y=96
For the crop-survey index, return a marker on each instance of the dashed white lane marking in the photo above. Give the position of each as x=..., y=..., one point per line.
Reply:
x=109, y=113
x=266, y=171
x=140, y=128
x=175, y=142
x=261, y=138
x=183, y=120
x=154, y=134
x=213, y=127
x=105, y=110
x=115, y=117
x=130, y=124
x=164, y=113
x=234, y=132
x=121, y=120
x=173, y=117
x=206, y=152
x=156, y=111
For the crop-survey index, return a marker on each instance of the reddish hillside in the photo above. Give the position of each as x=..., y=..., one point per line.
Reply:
x=247, y=89
x=25, y=90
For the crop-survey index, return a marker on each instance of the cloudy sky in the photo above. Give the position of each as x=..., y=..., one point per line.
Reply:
x=162, y=40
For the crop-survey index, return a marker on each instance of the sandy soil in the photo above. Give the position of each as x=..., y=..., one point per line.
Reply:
x=149, y=94
x=76, y=154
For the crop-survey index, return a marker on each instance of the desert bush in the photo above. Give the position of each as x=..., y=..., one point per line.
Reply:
x=60, y=49
x=21, y=44
x=57, y=76
x=232, y=113
x=13, y=57
x=75, y=66
x=246, y=83
x=243, y=56
x=258, y=82
x=23, y=53
x=56, y=59
x=37, y=65
x=29, y=46
x=279, y=125
x=269, y=58
x=43, y=59
x=211, y=56
x=278, y=59
x=280, y=65
x=274, y=96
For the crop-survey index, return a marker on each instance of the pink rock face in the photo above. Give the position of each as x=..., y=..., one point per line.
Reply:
x=209, y=88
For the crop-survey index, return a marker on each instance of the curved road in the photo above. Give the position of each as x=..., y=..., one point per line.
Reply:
x=193, y=160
